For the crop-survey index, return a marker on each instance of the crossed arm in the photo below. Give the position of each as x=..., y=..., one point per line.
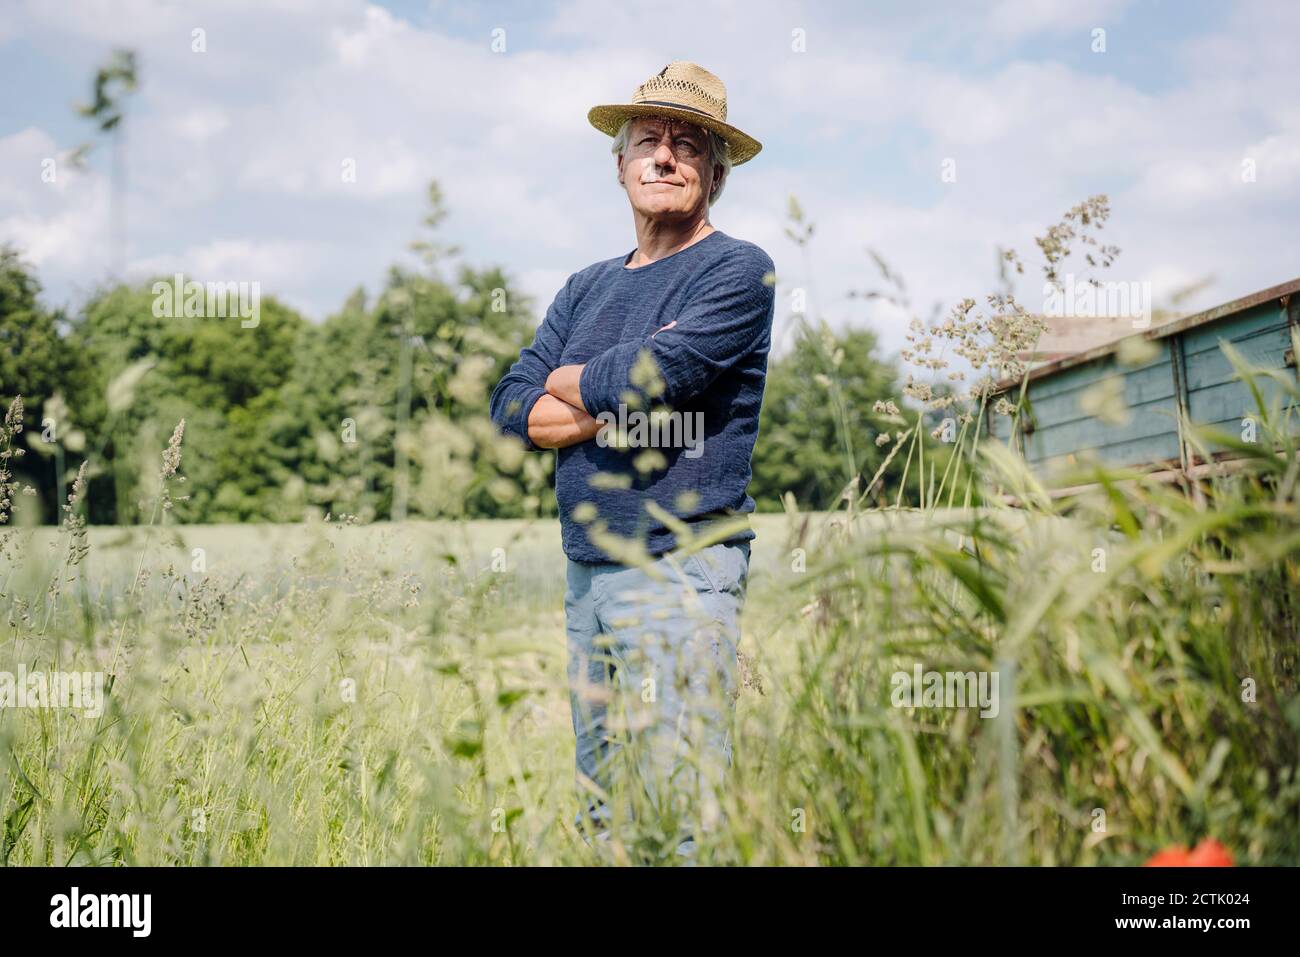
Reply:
x=524, y=402
x=558, y=419
x=553, y=406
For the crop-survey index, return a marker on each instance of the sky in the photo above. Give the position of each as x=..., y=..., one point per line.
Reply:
x=234, y=153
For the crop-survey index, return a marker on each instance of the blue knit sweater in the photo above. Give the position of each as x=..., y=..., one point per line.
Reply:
x=704, y=315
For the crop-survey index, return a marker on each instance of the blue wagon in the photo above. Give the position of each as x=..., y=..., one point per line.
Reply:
x=1185, y=378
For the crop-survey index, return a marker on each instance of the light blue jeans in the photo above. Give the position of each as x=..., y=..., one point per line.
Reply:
x=652, y=678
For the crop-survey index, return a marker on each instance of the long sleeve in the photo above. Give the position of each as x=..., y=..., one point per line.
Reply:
x=520, y=388
x=726, y=316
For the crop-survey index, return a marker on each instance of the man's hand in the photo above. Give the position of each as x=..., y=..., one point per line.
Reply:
x=554, y=424
x=563, y=384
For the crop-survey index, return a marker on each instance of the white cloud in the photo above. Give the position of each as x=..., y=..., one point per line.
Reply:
x=23, y=167
x=201, y=124
x=59, y=242
x=235, y=156
x=273, y=263
x=56, y=215
x=1019, y=18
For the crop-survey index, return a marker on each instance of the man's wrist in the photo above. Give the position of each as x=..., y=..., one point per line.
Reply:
x=565, y=384
x=555, y=424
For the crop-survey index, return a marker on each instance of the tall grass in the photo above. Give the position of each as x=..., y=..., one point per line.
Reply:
x=370, y=701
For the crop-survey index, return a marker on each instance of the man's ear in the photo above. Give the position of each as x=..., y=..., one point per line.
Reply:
x=619, y=162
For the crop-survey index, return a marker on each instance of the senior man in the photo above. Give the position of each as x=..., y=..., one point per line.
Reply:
x=677, y=332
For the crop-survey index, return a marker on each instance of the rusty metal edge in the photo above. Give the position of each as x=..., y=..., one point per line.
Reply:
x=1169, y=475
x=1280, y=291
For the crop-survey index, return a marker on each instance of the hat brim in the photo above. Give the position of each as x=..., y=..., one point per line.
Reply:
x=609, y=119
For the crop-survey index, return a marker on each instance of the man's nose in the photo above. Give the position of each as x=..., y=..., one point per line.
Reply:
x=664, y=156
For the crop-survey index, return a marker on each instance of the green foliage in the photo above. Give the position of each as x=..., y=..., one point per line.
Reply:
x=287, y=417
x=112, y=81
x=380, y=410
x=341, y=402
x=415, y=709
x=149, y=371
x=37, y=363
x=31, y=351
x=800, y=447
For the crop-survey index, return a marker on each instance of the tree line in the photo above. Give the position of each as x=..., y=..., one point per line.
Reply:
x=378, y=412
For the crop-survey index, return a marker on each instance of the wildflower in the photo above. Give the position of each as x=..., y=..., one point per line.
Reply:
x=172, y=462
x=921, y=391
x=1208, y=853
x=172, y=455
x=74, y=524
x=14, y=417
x=78, y=489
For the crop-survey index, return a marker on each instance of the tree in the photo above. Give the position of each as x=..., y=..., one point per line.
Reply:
x=36, y=363
x=150, y=371
x=800, y=446
x=358, y=408
x=285, y=416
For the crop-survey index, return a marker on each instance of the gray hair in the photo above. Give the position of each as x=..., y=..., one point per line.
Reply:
x=718, y=155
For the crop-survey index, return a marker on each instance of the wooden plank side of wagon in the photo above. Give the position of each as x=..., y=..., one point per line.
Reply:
x=1216, y=396
x=1060, y=430
x=1189, y=372
x=1057, y=429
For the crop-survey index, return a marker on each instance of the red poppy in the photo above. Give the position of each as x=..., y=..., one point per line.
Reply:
x=1209, y=853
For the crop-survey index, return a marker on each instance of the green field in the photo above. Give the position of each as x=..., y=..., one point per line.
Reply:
x=384, y=694
x=228, y=699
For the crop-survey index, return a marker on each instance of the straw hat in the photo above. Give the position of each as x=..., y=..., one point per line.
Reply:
x=683, y=91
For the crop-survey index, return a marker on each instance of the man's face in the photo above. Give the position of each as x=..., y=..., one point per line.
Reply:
x=666, y=168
